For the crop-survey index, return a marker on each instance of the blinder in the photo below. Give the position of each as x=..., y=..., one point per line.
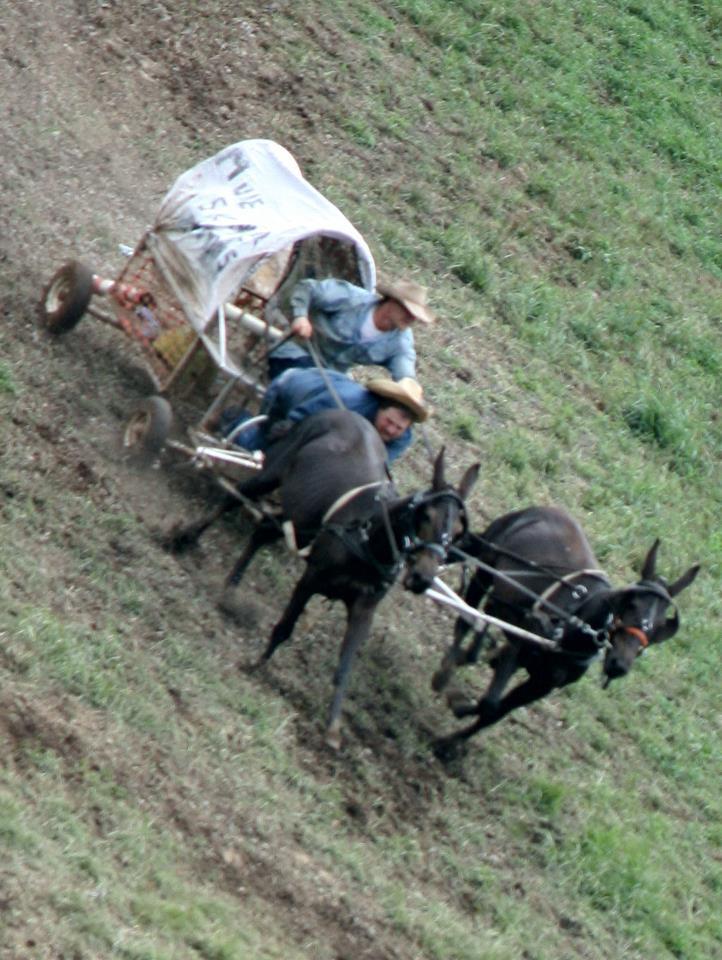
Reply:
x=648, y=634
x=412, y=543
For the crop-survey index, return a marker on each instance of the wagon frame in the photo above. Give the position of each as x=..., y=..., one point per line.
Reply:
x=206, y=343
x=204, y=295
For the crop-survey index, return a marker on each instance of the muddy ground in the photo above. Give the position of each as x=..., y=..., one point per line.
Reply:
x=102, y=106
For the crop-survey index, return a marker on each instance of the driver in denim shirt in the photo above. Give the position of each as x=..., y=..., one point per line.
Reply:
x=351, y=325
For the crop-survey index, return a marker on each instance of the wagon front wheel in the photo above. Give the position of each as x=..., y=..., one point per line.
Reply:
x=66, y=298
x=148, y=428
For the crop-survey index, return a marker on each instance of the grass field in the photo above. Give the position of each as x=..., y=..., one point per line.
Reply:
x=552, y=172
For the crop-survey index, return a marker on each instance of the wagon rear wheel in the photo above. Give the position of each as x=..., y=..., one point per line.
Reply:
x=66, y=298
x=148, y=428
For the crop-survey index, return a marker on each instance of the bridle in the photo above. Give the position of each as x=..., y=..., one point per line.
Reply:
x=401, y=534
x=636, y=632
x=412, y=543
x=641, y=634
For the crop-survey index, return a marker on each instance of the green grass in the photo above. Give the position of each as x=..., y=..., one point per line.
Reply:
x=7, y=382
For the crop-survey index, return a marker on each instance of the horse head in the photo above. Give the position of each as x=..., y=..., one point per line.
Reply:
x=437, y=519
x=642, y=614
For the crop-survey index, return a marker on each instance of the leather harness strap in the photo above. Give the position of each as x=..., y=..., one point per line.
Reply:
x=347, y=497
x=567, y=581
x=289, y=529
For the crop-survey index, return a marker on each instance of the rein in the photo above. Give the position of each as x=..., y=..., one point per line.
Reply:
x=599, y=637
x=315, y=356
x=531, y=567
x=357, y=537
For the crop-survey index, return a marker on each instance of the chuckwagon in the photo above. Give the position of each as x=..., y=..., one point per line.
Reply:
x=204, y=296
x=204, y=293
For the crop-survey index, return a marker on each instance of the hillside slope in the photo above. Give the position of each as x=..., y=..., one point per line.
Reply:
x=552, y=173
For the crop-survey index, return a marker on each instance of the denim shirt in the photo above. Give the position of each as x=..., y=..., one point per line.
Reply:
x=337, y=310
x=298, y=393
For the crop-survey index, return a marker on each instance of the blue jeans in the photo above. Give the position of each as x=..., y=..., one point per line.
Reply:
x=277, y=365
x=251, y=438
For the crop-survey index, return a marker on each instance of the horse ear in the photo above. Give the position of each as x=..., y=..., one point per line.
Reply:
x=438, y=482
x=684, y=581
x=468, y=480
x=650, y=563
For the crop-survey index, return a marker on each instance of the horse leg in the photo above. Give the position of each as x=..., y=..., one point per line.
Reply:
x=266, y=532
x=277, y=457
x=307, y=586
x=255, y=487
x=528, y=692
x=490, y=709
x=360, y=613
x=490, y=713
x=182, y=538
x=504, y=665
x=260, y=484
x=539, y=684
x=456, y=655
x=471, y=654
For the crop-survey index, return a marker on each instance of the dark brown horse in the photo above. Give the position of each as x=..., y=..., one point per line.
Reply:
x=330, y=473
x=312, y=464
x=536, y=570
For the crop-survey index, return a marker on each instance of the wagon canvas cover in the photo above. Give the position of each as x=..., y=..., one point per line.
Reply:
x=223, y=217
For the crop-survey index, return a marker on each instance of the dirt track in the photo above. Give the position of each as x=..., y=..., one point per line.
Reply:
x=101, y=109
x=102, y=105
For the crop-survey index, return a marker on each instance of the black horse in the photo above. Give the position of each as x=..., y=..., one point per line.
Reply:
x=537, y=571
x=330, y=473
x=312, y=463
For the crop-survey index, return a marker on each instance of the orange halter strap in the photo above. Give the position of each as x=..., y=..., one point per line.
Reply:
x=636, y=632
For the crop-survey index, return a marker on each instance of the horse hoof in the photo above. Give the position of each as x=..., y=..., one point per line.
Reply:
x=447, y=749
x=252, y=666
x=242, y=611
x=333, y=738
x=441, y=678
x=229, y=604
x=178, y=540
x=459, y=704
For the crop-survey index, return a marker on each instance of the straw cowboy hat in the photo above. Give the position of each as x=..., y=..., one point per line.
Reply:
x=410, y=295
x=406, y=393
